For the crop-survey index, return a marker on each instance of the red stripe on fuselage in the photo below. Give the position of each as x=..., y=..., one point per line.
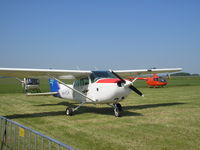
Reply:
x=108, y=81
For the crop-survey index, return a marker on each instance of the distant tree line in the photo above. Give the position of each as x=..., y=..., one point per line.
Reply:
x=183, y=74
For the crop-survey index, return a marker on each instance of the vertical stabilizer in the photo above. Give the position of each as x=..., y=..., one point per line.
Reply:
x=155, y=75
x=54, y=86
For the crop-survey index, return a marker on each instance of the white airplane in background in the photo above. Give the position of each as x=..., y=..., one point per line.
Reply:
x=96, y=87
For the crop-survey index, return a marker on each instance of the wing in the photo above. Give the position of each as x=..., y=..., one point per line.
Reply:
x=126, y=73
x=73, y=74
x=29, y=73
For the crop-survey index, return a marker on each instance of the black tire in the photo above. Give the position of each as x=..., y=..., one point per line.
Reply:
x=69, y=111
x=117, y=110
x=119, y=106
x=117, y=113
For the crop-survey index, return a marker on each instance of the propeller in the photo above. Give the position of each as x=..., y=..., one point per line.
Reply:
x=122, y=81
x=135, y=90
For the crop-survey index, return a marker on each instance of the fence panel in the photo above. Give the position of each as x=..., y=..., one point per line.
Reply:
x=14, y=136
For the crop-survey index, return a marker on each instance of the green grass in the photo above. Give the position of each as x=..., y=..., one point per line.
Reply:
x=165, y=119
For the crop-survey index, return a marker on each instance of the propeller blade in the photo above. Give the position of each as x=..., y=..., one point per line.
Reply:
x=118, y=76
x=135, y=90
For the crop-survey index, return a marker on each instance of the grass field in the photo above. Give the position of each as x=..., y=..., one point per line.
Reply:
x=165, y=119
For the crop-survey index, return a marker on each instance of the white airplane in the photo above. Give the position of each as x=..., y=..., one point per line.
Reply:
x=96, y=87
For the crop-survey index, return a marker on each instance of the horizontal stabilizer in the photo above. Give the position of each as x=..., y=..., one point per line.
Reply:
x=41, y=94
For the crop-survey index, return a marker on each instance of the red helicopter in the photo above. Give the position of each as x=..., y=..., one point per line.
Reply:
x=154, y=81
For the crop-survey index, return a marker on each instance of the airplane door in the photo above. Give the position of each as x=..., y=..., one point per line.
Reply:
x=82, y=86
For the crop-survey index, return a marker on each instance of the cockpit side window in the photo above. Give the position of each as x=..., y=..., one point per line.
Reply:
x=155, y=79
x=84, y=81
x=162, y=79
x=81, y=82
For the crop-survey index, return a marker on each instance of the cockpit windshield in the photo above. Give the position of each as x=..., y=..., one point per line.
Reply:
x=96, y=75
x=160, y=79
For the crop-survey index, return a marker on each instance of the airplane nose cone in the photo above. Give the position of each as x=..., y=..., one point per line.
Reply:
x=121, y=83
x=124, y=83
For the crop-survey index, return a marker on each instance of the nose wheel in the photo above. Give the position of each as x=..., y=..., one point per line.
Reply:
x=117, y=109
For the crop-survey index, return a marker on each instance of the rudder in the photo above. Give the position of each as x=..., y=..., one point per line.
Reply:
x=54, y=86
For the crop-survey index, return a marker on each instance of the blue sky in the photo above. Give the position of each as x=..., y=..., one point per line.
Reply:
x=103, y=34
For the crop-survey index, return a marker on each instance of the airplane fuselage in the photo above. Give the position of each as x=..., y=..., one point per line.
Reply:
x=104, y=88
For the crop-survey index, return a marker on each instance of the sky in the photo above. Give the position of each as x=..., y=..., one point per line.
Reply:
x=100, y=34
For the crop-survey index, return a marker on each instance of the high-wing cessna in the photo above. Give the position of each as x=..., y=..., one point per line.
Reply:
x=96, y=87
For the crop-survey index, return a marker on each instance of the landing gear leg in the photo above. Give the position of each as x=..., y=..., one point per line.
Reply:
x=117, y=109
x=69, y=111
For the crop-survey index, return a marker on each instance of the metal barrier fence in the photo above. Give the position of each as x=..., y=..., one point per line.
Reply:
x=14, y=136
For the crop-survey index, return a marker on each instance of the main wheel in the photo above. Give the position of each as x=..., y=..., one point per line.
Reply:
x=119, y=106
x=69, y=111
x=117, y=109
x=117, y=112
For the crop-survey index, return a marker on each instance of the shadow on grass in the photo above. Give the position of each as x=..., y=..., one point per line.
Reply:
x=153, y=105
x=87, y=109
x=35, y=115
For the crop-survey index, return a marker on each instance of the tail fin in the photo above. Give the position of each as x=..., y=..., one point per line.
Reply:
x=54, y=86
x=155, y=75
